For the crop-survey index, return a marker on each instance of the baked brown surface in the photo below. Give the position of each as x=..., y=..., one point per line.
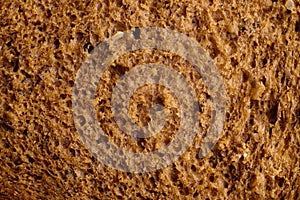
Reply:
x=255, y=45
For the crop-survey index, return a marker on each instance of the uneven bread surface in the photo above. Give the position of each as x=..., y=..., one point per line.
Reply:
x=255, y=47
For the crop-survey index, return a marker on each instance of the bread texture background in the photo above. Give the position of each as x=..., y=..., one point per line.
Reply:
x=255, y=46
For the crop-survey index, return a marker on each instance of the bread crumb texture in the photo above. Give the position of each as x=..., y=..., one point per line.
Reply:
x=255, y=46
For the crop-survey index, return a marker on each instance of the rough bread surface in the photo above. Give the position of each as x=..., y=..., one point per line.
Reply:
x=255, y=46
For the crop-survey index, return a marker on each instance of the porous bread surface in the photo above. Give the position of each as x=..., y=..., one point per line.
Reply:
x=255, y=46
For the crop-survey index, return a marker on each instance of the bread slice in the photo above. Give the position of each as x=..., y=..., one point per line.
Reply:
x=253, y=44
